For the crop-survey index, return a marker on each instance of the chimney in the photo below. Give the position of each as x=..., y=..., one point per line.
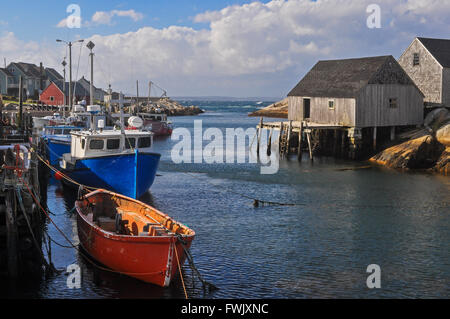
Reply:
x=41, y=77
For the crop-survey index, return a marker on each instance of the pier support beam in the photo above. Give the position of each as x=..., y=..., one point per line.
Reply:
x=299, y=150
x=308, y=136
x=288, y=137
x=269, y=143
x=374, y=138
x=258, y=133
x=392, y=133
x=11, y=234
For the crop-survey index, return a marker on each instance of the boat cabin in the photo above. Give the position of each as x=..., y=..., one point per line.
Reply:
x=57, y=130
x=160, y=117
x=109, y=142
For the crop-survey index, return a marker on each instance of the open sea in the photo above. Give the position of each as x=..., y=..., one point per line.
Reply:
x=345, y=216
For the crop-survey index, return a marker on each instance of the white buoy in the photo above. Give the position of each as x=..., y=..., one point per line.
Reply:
x=135, y=121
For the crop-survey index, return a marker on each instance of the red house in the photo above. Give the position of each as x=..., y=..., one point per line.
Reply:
x=53, y=94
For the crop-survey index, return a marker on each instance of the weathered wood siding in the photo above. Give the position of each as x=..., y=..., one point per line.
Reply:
x=427, y=75
x=343, y=113
x=373, y=106
x=446, y=86
x=295, y=108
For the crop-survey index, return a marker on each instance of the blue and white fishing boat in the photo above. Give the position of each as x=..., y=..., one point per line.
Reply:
x=57, y=139
x=115, y=159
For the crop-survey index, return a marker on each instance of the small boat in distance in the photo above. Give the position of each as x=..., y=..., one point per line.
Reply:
x=157, y=123
x=132, y=238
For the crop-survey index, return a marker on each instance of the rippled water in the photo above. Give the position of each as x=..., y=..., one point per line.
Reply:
x=343, y=221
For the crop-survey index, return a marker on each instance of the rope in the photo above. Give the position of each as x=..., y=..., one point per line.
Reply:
x=65, y=176
x=77, y=248
x=19, y=197
x=181, y=274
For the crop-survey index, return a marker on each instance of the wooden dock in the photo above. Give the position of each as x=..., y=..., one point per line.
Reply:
x=294, y=136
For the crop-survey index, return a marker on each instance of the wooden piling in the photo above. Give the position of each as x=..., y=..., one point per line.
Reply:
x=288, y=137
x=308, y=136
x=299, y=150
x=374, y=138
x=259, y=131
x=269, y=144
x=392, y=133
x=11, y=234
x=280, y=138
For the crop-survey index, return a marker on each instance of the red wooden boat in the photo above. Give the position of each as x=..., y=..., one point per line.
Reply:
x=131, y=237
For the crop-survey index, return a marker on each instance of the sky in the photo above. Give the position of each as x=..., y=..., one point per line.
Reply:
x=213, y=48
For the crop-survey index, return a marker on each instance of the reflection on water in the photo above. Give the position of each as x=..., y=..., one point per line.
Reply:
x=343, y=220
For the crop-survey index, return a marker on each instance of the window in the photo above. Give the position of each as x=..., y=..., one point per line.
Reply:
x=96, y=144
x=113, y=144
x=83, y=143
x=57, y=131
x=331, y=104
x=52, y=98
x=416, y=59
x=393, y=103
x=144, y=142
x=130, y=142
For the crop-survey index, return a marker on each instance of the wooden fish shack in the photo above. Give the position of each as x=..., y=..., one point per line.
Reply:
x=342, y=107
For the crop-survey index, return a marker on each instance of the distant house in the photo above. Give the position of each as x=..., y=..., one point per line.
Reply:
x=5, y=79
x=54, y=93
x=358, y=93
x=53, y=76
x=99, y=94
x=427, y=62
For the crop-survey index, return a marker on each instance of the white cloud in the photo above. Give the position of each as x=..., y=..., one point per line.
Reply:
x=105, y=17
x=257, y=49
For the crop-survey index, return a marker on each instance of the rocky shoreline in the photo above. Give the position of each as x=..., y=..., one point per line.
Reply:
x=169, y=107
x=277, y=110
x=427, y=148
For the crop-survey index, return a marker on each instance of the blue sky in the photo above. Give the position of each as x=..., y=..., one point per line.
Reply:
x=204, y=48
x=156, y=13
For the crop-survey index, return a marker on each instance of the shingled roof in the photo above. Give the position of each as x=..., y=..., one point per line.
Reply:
x=342, y=78
x=6, y=71
x=77, y=90
x=439, y=48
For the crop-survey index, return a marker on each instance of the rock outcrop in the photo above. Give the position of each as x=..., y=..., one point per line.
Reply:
x=278, y=110
x=169, y=107
x=428, y=148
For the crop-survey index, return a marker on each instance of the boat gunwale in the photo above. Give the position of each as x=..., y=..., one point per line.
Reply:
x=117, y=154
x=130, y=238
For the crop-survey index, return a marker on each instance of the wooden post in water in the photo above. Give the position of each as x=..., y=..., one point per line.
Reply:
x=269, y=144
x=288, y=137
x=308, y=135
x=11, y=233
x=374, y=138
x=299, y=150
x=258, y=133
x=280, y=137
x=392, y=133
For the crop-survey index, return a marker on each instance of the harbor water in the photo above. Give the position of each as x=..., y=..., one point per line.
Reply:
x=344, y=217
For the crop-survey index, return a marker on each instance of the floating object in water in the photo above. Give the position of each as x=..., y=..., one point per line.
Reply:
x=132, y=238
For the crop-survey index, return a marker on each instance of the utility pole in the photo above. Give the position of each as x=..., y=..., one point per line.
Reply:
x=90, y=46
x=64, y=87
x=70, y=69
x=20, y=104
